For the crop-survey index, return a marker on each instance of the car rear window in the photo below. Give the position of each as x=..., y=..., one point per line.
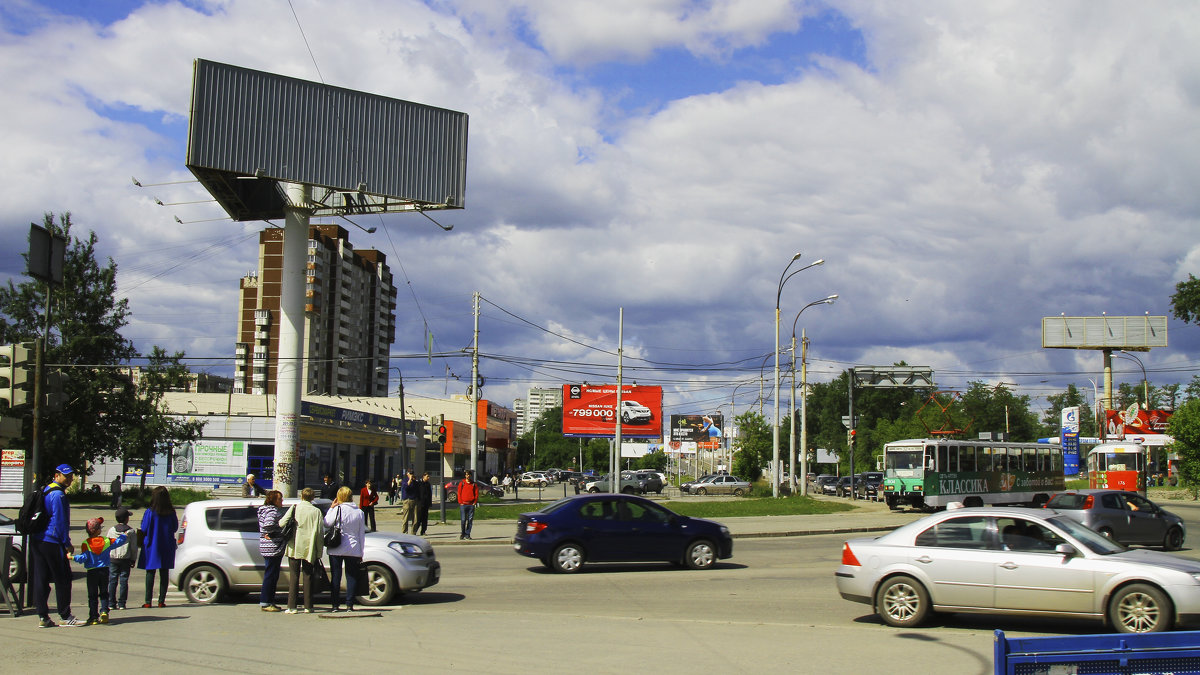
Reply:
x=969, y=532
x=1067, y=501
x=233, y=518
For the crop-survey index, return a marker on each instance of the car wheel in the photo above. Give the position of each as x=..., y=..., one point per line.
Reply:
x=451, y=498
x=892, y=503
x=628, y=490
x=1139, y=608
x=625, y=418
x=204, y=585
x=567, y=558
x=593, y=490
x=381, y=586
x=16, y=566
x=902, y=602
x=700, y=555
x=701, y=491
x=1174, y=539
x=738, y=492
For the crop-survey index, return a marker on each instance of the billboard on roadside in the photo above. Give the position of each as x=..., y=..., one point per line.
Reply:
x=697, y=428
x=590, y=411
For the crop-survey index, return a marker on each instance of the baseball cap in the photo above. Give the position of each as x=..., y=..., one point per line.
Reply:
x=64, y=469
x=93, y=525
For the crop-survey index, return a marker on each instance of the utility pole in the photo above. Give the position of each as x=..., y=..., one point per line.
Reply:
x=474, y=397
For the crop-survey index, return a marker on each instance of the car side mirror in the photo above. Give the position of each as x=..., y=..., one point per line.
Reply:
x=1067, y=550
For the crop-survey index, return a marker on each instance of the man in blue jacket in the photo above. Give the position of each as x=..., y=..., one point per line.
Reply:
x=50, y=550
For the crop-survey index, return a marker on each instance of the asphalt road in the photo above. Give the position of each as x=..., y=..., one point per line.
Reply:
x=772, y=606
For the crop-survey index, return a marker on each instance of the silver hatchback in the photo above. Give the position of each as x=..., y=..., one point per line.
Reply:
x=1031, y=562
x=218, y=554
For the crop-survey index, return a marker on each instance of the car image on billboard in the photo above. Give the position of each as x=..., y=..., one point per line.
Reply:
x=591, y=410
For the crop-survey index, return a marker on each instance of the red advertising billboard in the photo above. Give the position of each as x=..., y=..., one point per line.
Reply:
x=1136, y=421
x=591, y=411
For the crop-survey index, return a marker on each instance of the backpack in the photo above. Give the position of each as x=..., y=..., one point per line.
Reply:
x=33, y=517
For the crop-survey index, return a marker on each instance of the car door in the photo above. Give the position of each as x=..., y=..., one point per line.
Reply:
x=602, y=533
x=954, y=557
x=1032, y=576
x=236, y=534
x=648, y=533
x=1144, y=522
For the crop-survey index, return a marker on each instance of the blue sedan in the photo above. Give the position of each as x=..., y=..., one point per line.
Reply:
x=618, y=528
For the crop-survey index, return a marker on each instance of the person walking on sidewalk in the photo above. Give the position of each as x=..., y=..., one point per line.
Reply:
x=304, y=549
x=49, y=551
x=270, y=546
x=94, y=556
x=367, y=499
x=468, y=498
x=159, y=524
x=424, y=501
x=408, y=502
x=349, y=551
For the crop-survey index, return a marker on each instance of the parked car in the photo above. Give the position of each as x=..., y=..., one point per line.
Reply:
x=825, y=484
x=571, y=477
x=867, y=484
x=633, y=412
x=650, y=481
x=618, y=528
x=218, y=554
x=451, y=488
x=842, y=487
x=534, y=479
x=16, y=562
x=721, y=485
x=1122, y=516
x=626, y=485
x=1009, y=560
x=686, y=488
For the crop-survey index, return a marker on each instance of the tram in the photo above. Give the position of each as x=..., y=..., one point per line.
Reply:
x=1117, y=466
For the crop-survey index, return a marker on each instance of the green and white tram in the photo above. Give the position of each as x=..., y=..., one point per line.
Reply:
x=931, y=473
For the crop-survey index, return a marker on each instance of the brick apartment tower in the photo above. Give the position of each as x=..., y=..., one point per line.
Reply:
x=349, y=317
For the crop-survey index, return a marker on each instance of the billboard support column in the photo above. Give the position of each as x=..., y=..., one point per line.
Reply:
x=289, y=362
x=474, y=397
x=803, y=413
x=614, y=461
x=1108, y=400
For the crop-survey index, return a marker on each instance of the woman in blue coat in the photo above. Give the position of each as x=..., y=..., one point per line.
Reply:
x=159, y=524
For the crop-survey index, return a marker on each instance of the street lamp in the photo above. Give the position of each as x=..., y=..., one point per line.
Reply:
x=1145, y=380
x=729, y=428
x=783, y=279
x=803, y=401
x=403, y=423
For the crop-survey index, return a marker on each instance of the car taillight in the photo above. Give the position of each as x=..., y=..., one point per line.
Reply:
x=182, y=532
x=1087, y=502
x=848, y=556
x=533, y=527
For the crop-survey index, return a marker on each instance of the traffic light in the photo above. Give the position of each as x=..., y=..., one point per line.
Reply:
x=441, y=434
x=16, y=374
x=56, y=398
x=851, y=437
x=430, y=431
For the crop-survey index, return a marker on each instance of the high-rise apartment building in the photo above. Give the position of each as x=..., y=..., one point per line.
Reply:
x=349, y=317
x=538, y=401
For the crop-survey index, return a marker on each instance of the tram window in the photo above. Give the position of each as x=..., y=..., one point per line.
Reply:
x=985, y=459
x=1056, y=461
x=1044, y=459
x=1031, y=459
x=999, y=459
x=966, y=458
x=943, y=454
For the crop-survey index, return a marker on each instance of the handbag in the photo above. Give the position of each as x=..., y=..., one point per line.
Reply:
x=286, y=532
x=333, y=533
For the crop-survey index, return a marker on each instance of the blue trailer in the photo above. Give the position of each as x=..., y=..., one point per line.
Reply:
x=1120, y=654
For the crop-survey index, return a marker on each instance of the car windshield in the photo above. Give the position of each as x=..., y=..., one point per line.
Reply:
x=1095, y=541
x=1067, y=501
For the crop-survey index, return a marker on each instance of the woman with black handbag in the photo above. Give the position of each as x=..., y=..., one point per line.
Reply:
x=270, y=545
x=303, y=549
x=347, y=519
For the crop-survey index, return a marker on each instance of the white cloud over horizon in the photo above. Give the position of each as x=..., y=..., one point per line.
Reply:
x=986, y=164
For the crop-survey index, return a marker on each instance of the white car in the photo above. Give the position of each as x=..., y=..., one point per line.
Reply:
x=534, y=479
x=218, y=554
x=16, y=562
x=633, y=412
x=1028, y=562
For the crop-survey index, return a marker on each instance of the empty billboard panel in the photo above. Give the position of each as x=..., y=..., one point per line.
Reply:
x=250, y=130
x=1104, y=332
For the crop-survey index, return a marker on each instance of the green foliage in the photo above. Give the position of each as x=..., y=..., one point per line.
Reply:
x=106, y=415
x=753, y=445
x=653, y=460
x=1186, y=301
x=1185, y=428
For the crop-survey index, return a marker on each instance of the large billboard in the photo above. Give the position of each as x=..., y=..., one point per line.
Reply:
x=591, y=411
x=697, y=428
x=1134, y=421
x=208, y=462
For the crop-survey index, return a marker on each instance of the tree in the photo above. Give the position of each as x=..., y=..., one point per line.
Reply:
x=1186, y=300
x=752, y=446
x=104, y=406
x=1185, y=428
x=1072, y=397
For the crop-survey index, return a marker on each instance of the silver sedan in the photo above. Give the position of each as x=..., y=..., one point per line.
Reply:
x=1031, y=562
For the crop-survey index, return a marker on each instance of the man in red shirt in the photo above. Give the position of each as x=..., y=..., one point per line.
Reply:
x=468, y=497
x=367, y=499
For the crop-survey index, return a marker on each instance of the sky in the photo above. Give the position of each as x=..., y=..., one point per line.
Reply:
x=962, y=169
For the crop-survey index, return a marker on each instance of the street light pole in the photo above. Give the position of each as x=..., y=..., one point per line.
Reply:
x=828, y=300
x=403, y=423
x=1145, y=380
x=783, y=279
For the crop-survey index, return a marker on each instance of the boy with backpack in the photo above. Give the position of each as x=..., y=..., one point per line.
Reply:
x=121, y=558
x=94, y=556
